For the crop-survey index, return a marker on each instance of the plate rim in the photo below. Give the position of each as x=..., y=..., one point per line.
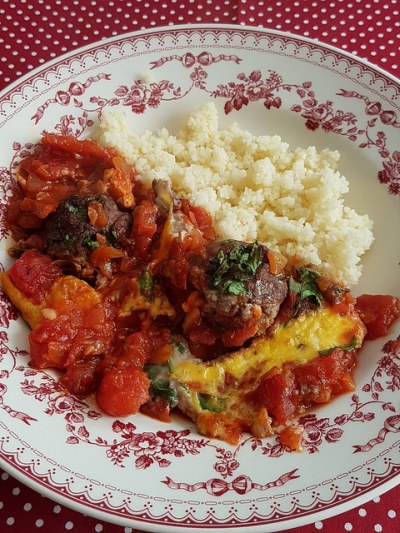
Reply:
x=196, y=26
x=218, y=27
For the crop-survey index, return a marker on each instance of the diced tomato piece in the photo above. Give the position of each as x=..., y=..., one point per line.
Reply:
x=275, y=392
x=85, y=147
x=50, y=342
x=101, y=258
x=204, y=221
x=81, y=325
x=97, y=215
x=203, y=334
x=135, y=352
x=378, y=312
x=277, y=262
x=237, y=337
x=219, y=426
x=325, y=376
x=176, y=268
x=291, y=438
x=144, y=227
x=157, y=408
x=123, y=391
x=121, y=180
x=82, y=378
x=33, y=274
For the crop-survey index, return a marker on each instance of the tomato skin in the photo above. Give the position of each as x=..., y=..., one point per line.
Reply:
x=33, y=274
x=237, y=337
x=326, y=376
x=136, y=351
x=144, y=227
x=85, y=147
x=157, y=408
x=291, y=438
x=275, y=393
x=123, y=391
x=81, y=326
x=286, y=392
x=50, y=342
x=378, y=312
x=82, y=378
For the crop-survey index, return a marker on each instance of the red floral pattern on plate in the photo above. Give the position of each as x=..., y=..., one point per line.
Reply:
x=123, y=444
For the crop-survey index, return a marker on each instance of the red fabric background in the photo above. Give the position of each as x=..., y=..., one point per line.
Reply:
x=32, y=33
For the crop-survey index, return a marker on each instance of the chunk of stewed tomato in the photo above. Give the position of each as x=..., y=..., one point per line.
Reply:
x=378, y=312
x=33, y=274
x=123, y=391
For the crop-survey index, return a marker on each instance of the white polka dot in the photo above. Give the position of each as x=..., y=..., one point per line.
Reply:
x=377, y=499
x=392, y=514
x=362, y=512
x=39, y=522
x=10, y=520
x=98, y=528
x=4, y=475
x=27, y=507
x=16, y=491
x=378, y=528
x=318, y=525
x=69, y=525
x=348, y=526
x=57, y=509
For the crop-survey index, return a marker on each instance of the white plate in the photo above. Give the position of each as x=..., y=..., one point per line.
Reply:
x=142, y=473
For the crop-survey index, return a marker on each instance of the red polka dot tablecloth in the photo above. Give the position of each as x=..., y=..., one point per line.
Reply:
x=32, y=33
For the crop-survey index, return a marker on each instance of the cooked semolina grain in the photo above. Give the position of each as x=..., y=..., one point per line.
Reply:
x=256, y=188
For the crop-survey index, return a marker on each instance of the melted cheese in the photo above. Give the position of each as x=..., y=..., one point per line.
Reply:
x=298, y=341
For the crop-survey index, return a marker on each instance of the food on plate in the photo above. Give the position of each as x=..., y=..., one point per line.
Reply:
x=135, y=296
x=255, y=187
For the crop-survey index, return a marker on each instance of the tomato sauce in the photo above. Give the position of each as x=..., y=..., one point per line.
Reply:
x=378, y=312
x=102, y=339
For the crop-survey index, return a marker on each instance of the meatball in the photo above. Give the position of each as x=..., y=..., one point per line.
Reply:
x=238, y=288
x=71, y=232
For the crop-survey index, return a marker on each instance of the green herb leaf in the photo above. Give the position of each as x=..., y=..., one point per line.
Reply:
x=163, y=388
x=234, y=287
x=181, y=347
x=346, y=347
x=80, y=211
x=70, y=208
x=229, y=271
x=69, y=240
x=306, y=287
x=153, y=371
x=211, y=403
x=90, y=242
x=146, y=284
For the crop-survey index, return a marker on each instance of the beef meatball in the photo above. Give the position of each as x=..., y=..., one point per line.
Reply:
x=238, y=288
x=71, y=232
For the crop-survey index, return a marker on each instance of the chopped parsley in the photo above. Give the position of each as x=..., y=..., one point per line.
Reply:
x=163, y=388
x=306, y=287
x=231, y=270
x=160, y=383
x=69, y=240
x=90, y=242
x=154, y=371
x=80, y=211
x=211, y=403
x=146, y=284
x=180, y=347
x=346, y=347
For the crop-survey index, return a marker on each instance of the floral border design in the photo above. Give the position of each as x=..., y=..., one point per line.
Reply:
x=247, y=88
x=326, y=117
